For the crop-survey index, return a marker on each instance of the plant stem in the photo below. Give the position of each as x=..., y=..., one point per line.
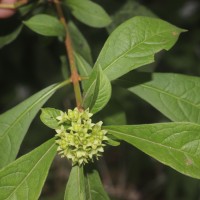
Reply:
x=75, y=77
x=64, y=83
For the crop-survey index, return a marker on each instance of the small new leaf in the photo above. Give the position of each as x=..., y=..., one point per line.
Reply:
x=113, y=142
x=84, y=68
x=48, y=117
x=98, y=92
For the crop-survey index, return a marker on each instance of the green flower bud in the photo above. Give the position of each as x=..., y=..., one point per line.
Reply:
x=62, y=118
x=83, y=140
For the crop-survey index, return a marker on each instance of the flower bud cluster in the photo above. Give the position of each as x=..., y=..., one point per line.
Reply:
x=78, y=138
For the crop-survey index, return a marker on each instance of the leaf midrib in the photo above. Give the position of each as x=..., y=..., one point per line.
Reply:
x=27, y=110
x=169, y=94
x=24, y=179
x=124, y=53
x=89, y=187
x=88, y=91
x=79, y=183
x=149, y=141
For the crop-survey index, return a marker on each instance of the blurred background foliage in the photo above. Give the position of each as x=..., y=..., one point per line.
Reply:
x=32, y=62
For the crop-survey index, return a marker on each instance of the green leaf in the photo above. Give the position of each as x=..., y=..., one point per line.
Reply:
x=48, y=117
x=80, y=44
x=176, y=96
x=64, y=67
x=113, y=114
x=173, y=144
x=84, y=187
x=27, y=8
x=75, y=188
x=4, y=40
x=98, y=93
x=24, y=178
x=130, y=9
x=94, y=187
x=15, y=123
x=89, y=13
x=112, y=142
x=45, y=25
x=84, y=68
x=134, y=44
x=115, y=118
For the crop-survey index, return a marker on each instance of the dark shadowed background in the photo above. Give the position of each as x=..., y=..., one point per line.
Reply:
x=31, y=63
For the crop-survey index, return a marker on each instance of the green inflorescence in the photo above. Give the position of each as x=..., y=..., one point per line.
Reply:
x=78, y=138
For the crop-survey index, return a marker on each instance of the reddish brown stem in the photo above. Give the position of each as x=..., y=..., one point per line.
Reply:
x=75, y=77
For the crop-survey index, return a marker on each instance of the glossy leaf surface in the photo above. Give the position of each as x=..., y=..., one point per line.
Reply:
x=84, y=68
x=15, y=123
x=134, y=43
x=94, y=187
x=176, y=96
x=48, y=117
x=98, y=92
x=84, y=184
x=75, y=188
x=89, y=13
x=24, y=178
x=173, y=144
x=46, y=25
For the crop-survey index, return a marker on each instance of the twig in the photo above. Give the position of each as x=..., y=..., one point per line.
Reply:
x=75, y=77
